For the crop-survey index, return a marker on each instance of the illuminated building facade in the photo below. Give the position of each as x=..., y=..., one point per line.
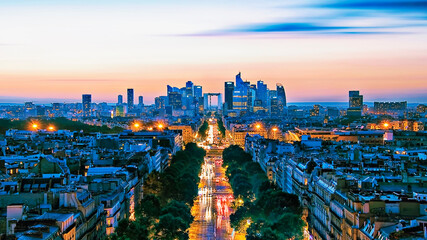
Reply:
x=355, y=103
x=228, y=92
x=240, y=96
x=383, y=107
x=87, y=102
x=175, y=100
x=130, y=99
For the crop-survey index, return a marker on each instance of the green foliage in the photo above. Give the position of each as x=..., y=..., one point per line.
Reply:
x=274, y=214
x=164, y=211
x=59, y=123
x=221, y=127
x=202, y=130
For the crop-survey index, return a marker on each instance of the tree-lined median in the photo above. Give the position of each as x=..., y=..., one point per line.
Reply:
x=263, y=211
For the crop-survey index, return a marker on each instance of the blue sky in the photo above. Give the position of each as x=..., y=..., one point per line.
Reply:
x=318, y=49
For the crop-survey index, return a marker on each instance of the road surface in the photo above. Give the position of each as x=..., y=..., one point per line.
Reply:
x=211, y=209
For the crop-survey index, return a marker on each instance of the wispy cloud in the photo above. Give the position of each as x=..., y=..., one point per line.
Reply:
x=398, y=5
x=341, y=17
x=296, y=27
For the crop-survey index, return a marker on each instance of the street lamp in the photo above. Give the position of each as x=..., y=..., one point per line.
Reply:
x=34, y=126
x=51, y=128
x=160, y=126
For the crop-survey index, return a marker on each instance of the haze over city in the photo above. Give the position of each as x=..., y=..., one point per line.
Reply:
x=317, y=49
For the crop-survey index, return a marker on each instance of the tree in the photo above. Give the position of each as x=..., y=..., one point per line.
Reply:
x=149, y=207
x=170, y=227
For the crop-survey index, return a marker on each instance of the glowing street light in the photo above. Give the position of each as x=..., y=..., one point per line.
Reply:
x=160, y=126
x=386, y=125
x=275, y=129
x=51, y=128
x=258, y=126
x=35, y=126
x=136, y=125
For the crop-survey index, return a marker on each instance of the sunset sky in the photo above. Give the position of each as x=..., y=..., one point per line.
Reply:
x=318, y=49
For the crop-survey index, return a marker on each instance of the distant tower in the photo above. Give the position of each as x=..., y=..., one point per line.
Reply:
x=198, y=91
x=261, y=92
x=189, y=89
x=141, y=101
x=120, y=99
x=228, y=94
x=130, y=98
x=355, y=100
x=281, y=97
x=240, y=95
x=355, y=104
x=87, y=101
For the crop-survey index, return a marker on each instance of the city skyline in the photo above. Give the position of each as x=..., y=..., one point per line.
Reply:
x=318, y=50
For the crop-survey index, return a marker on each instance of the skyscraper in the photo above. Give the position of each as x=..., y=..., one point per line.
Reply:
x=281, y=97
x=261, y=92
x=274, y=106
x=355, y=100
x=87, y=102
x=172, y=89
x=140, y=101
x=240, y=96
x=130, y=99
x=198, y=91
x=175, y=100
x=189, y=89
x=228, y=92
x=120, y=99
x=355, y=104
x=160, y=102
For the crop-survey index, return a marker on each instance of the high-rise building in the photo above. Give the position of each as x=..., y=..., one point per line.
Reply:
x=240, y=96
x=189, y=89
x=355, y=99
x=140, y=101
x=251, y=98
x=281, y=97
x=160, y=102
x=130, y=99
x=87, y=102
x=198, y=91
x=355, y=104
x=228, y=92
x=120, y=99
x=175, y=100
x=382, y=107
x=274, y=106
x=261, y=92
x=172, y=89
